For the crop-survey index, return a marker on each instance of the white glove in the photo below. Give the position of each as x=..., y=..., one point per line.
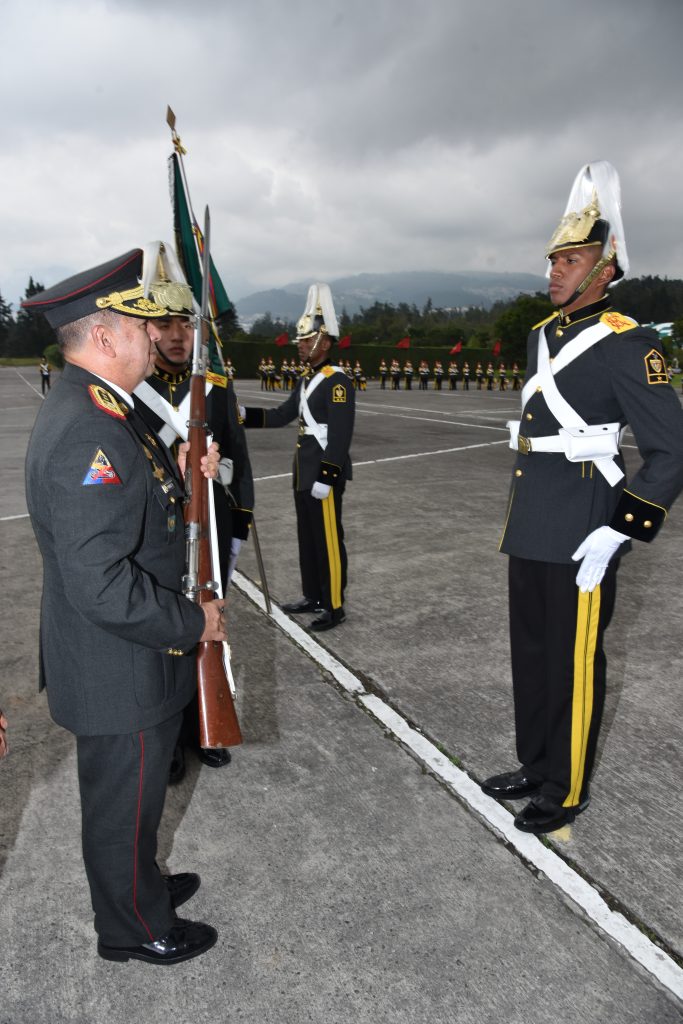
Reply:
x=242, y=411
x=225, y=471
x=320, y=491
x=235, y=545
x=596, y=551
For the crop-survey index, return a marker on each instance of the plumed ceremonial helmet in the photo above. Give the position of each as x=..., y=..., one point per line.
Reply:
x=593, y=217
x=163, y=281
x=319, y=316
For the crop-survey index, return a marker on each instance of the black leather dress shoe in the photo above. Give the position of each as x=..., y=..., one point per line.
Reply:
x=214, y=757
x=185, y=940
x=510, y=786
x=543, y=815
x=176, y=772
x=182, y=887
x=328, y=620
x=305, y=604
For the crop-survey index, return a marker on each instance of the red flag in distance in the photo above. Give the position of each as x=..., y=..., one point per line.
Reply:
x=345, y=342
x=403, y=343
x=282, y=339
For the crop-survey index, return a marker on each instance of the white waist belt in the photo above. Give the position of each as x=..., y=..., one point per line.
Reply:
x=319, y=431
x=578, y=444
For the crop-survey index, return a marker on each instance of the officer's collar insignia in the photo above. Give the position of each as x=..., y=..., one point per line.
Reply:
x=173, y=378
x=618, y=322
x=105, y=401
x=216, y=378
x=152, y=440
x=101, y=471
x=339, y=393
x=655, y=368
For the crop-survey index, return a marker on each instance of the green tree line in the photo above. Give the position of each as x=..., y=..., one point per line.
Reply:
x=647, y=299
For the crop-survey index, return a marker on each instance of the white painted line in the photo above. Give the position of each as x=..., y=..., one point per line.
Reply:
x=346, y=679
x=397, y=458
x=581, y=892
x=6, y=519
x=28, y=382
x=496, y=817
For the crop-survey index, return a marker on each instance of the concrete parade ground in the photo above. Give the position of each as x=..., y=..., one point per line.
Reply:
x=354, y=870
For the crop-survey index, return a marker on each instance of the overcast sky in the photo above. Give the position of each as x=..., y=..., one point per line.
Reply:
x=331, y=137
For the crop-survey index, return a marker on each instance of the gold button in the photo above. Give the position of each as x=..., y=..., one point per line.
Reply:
x=647, y=524
x=518, y=472
x=529, y=416
x=628, y=517
x=539, y=388
x=324, y=472
x=558, y=334
x=298, y=445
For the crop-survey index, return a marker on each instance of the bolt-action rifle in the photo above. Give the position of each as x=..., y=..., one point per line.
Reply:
x=218, y=724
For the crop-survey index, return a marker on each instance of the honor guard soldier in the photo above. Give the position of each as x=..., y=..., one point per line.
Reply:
x=395, y=375
x=479, y=374
x=230, y=370
x=424, y=374
x=284, y=374
x=271, y=374
x=515, y=377
x=490, y=377
x=466, y=376
x=590, y=372
x=324, y=403
x=163, y=400
x=502, y=376
x=453, y=374
x=383, y=373
x=438, y=374
x=117, y=636
x=408, y=373
x=262, y=373
x=358, y=375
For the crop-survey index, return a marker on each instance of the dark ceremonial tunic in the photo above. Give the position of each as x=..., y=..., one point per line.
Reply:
x=116, y=635
x=322, y=554
x=558, y=662
x=234, y=510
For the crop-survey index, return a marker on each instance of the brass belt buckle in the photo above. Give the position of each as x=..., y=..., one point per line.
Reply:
x=523, y=445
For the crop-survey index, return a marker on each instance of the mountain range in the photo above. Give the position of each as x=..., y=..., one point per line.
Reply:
x=446, y=290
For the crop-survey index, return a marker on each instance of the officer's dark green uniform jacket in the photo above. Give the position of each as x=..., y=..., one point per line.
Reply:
x=106, y=507
x=554, y=504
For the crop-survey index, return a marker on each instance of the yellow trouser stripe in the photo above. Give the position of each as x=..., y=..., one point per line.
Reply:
x=587, y=619
x=332, y=542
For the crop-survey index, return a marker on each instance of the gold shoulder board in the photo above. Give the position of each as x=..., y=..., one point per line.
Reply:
x=327, y=371
x=618, y=322
x=542, y=323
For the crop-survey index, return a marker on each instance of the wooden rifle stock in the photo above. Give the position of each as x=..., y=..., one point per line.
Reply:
x=218, y=724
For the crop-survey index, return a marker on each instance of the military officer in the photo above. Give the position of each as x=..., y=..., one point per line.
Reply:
x=324, y=402
x=117, y=636
x=163, y=401
x=590, y=372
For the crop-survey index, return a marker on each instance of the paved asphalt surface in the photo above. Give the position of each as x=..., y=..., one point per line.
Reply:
x=346, y=883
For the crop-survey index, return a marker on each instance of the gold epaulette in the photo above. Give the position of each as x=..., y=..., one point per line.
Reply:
x=216, y=378
x=542, y=323
x=618, y=322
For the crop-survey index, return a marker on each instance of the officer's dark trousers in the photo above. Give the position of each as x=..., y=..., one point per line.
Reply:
x=558, y=673
x=322, y=555
x=123, y=782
